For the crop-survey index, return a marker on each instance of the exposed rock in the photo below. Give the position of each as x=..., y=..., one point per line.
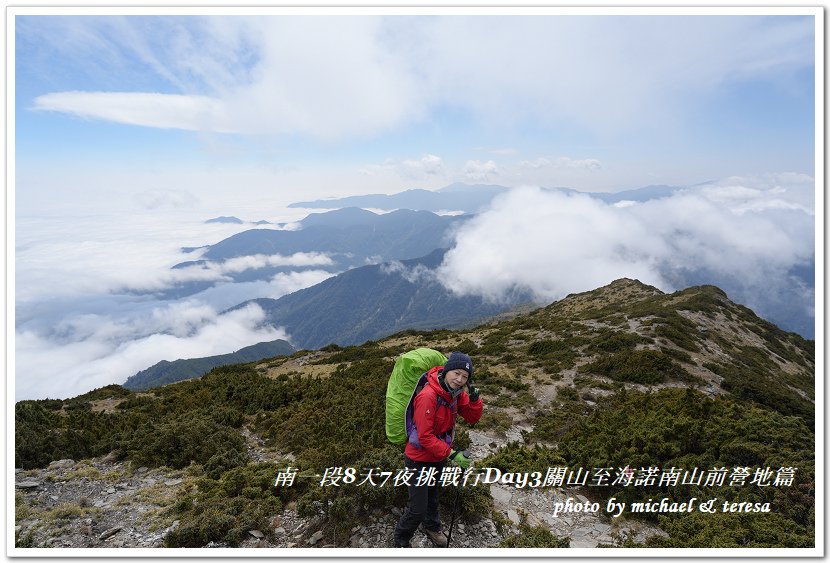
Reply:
x=62, y=463
x=29, y=484
x=130, y=513
x=109, y=533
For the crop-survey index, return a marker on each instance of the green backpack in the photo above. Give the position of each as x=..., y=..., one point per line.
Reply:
x=400, y=391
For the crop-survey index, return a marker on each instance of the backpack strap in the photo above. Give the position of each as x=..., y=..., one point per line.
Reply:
x=412, y=431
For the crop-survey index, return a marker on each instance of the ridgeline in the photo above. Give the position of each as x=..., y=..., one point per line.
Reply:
x=624, y=376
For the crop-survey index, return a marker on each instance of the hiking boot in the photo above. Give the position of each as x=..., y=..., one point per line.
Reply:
x=438, y=538
x=399, y=543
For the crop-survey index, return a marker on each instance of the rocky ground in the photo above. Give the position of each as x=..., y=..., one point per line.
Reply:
x=104, y=503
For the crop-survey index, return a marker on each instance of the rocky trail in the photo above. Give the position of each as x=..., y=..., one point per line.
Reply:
x=103, y=503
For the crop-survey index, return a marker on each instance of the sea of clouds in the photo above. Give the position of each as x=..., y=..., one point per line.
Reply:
x=88, y=312
x=87, y=308
x=747, y=235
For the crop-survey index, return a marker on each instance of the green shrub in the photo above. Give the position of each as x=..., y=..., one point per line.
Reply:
x=516, y=457
x=636, y=366
x=222, y=461
x=495, y=420
x=182, y=440
x=467, y=346
x=567, y=394
x=534, y=536
x=222, y=510
x=683, y=428
x=616, y=341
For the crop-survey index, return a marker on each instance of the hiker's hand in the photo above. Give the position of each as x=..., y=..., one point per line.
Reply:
x=473, y=392
x=459, y=458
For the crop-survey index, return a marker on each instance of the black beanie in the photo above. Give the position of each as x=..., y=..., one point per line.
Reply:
x=459, y=360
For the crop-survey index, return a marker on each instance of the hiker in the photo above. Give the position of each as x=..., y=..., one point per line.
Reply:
x=436, y=408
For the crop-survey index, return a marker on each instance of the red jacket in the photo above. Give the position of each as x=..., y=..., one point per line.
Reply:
x=432, y=420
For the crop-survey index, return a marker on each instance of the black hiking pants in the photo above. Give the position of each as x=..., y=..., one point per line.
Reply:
x=423, y=504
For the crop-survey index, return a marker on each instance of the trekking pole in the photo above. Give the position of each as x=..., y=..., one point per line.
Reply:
x=466, y=454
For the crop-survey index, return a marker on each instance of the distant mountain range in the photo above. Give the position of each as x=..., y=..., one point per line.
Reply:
x=467, y=198
x=350, y=237
x=166, y=372
x=373, y=301
x=620, y=376
x=232, y=220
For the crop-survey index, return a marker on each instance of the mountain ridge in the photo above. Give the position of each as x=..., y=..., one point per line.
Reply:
x=621, y=376
x=373, y=301
x=469, y=198
x=165, y=372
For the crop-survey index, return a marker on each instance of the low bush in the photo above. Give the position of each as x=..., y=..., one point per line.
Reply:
x=636, y=366
x=534, y=536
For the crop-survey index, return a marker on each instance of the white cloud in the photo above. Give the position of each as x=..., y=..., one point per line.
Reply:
x=96, y=253
x=428, y=165
x=165, y=111
x=604, y=73
x=477, y=170
x=333, y=77
x=222, y=271
x=68, y=269
x=552, y=244
x=562, y=162
x=749, y=235
x=416, y=274
x=155, y=199
x=285, y=283
x=109, y=350
x=425, y=167
x=772, y=191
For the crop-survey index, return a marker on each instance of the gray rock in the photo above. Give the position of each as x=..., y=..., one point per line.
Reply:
x=28, y=484
x=110, y=490
x=316, y=537
x=62, y=463
x=109, y=533
x=257, y=534
x=501, y=495
x=513, y=516
x=173, y=482
x=601, y=528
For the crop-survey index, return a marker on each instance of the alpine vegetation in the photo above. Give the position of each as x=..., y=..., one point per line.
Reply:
x=619, y=417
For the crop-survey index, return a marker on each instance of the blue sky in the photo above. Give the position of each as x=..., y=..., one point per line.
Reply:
x=335, y=105
x=131, y=131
